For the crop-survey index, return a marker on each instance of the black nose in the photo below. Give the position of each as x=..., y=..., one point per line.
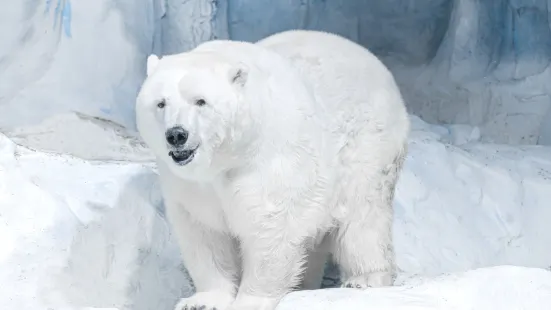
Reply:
x=176, y=136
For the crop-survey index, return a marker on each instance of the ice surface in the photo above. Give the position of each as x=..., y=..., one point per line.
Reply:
x=92, y=233
x=483, y=63
x=83, y=233
x=471, y=205
x=62, y=55
x=82, y=136
x=494, y=288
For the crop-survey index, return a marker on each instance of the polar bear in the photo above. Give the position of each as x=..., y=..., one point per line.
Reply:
x=272, y=155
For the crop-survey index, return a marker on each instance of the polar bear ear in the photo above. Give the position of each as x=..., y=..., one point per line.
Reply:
x=152, y=62
x=239, y=74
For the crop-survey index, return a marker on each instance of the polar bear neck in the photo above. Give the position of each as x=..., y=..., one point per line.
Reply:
x=277, y=98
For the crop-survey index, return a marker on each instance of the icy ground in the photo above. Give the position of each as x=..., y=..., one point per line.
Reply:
x=91, y=232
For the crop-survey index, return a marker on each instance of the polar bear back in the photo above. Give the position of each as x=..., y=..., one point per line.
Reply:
x=284, y=87
x=351, y=83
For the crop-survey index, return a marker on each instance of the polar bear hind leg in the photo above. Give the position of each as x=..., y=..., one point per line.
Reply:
x=362, y=244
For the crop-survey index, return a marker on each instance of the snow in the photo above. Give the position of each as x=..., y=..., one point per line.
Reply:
x=83, y=233
x=471, y=205
x=493, y=288
x=65, y=133
x=92, y=233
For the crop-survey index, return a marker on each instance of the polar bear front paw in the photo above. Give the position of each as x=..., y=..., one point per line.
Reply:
x=356, y=282
x=375, y=279
x=249, y=302
x=206, y=301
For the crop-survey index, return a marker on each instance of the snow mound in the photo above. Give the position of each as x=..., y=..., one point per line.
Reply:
x=492, y=288
x=80, y=233
x=82, y=136
x=471, y=205
x=77, y=233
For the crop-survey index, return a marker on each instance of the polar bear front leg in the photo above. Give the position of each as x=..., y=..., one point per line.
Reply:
x=272, y=242
x=272, y=265
x=211, y=260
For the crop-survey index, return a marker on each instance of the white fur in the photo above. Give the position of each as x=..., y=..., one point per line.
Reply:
x=152, y=62
x=300, y=146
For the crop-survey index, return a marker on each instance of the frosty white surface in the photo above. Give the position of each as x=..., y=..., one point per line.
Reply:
x=484, y=63
x=92, y=233
x=77, y=233
x=63, y=55
x=492, y=288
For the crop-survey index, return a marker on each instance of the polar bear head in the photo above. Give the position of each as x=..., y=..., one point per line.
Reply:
x=218, y=106
x=192, y=111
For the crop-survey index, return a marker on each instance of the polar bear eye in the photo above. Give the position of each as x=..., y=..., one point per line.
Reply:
x=200, y=102
x=161, y=104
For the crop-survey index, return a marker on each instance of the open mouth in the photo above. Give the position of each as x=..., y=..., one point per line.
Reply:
x=183, y=157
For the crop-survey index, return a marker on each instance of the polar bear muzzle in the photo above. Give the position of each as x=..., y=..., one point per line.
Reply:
x=176, y=137
x=182, y=157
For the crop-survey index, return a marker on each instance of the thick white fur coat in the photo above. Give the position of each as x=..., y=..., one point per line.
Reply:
x=300, y=146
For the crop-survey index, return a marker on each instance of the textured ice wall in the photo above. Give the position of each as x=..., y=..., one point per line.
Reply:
x=491, y=70
x=62, y=55
x=477, y=62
